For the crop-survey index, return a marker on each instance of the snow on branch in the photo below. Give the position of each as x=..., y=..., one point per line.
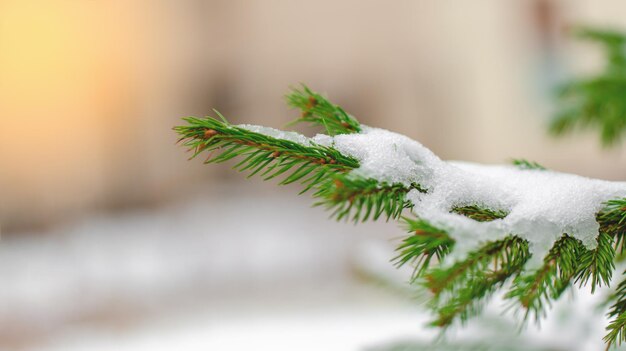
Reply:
x=472, y=227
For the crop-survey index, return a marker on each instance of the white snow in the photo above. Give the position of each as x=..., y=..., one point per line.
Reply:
x=386, y=156
x=278, y=134
x=542, y=204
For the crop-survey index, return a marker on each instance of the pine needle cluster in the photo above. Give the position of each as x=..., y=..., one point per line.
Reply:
x=459, y=288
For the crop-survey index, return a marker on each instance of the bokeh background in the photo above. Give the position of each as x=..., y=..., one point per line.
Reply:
x=112, y=240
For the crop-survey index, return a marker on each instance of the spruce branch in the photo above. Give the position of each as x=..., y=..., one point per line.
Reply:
x=308, y=164
x=316, y=166
x=597, y=264
x=613, y=42
x=535, y=291
x=597, y=101
x=318, y=111
x=359, y=198
x=441, y=279
x=480, y=214
x=460, y=287
x=616, y=330
x=466, y=283
x=425, y=243
x=612, y=220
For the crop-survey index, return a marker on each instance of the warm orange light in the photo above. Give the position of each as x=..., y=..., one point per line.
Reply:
x=64, y=72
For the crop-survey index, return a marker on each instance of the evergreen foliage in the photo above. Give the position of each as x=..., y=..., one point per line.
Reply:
x=459, y=288
x=480, y=214
x=425, y=243
x=598, y=101
x=274, y=157
x=525, y=164
x=357, y=198
x=597, y=265
x=535, y=290
x=617, y=327
x=318, y=111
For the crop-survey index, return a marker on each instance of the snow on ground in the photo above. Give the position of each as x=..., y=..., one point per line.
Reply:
x=312, y=323
x=223, y=243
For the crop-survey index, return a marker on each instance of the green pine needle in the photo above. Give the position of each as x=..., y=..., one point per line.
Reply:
x=616, y=330
x=467, y=283
x=442, y=279
x=357, y=198
x=597, y=264
x=612, y=220
x=318, y=111
x=525, y=164
x=535, y=291
x=262, y=154
x=425, y=243
x=480, y=214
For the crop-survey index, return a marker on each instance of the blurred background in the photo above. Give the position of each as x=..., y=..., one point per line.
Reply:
x=112, y=240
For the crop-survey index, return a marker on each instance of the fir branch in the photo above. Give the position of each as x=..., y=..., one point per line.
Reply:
x=442, y=279
x=535, y=291
x=613, y=42
x=425, y=243
x=469, y=281
x=467, y=301
x=525, y=164
x=616, y=330
x=458, y=289
x=597, y=264
x=318, y=111
x=309, y=165
x=612, y=220
x=358, y=198
x=480, y=214
x=318, y=166
x=597, y=101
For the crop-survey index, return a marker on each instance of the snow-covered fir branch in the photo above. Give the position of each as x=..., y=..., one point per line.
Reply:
x=472, y=228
